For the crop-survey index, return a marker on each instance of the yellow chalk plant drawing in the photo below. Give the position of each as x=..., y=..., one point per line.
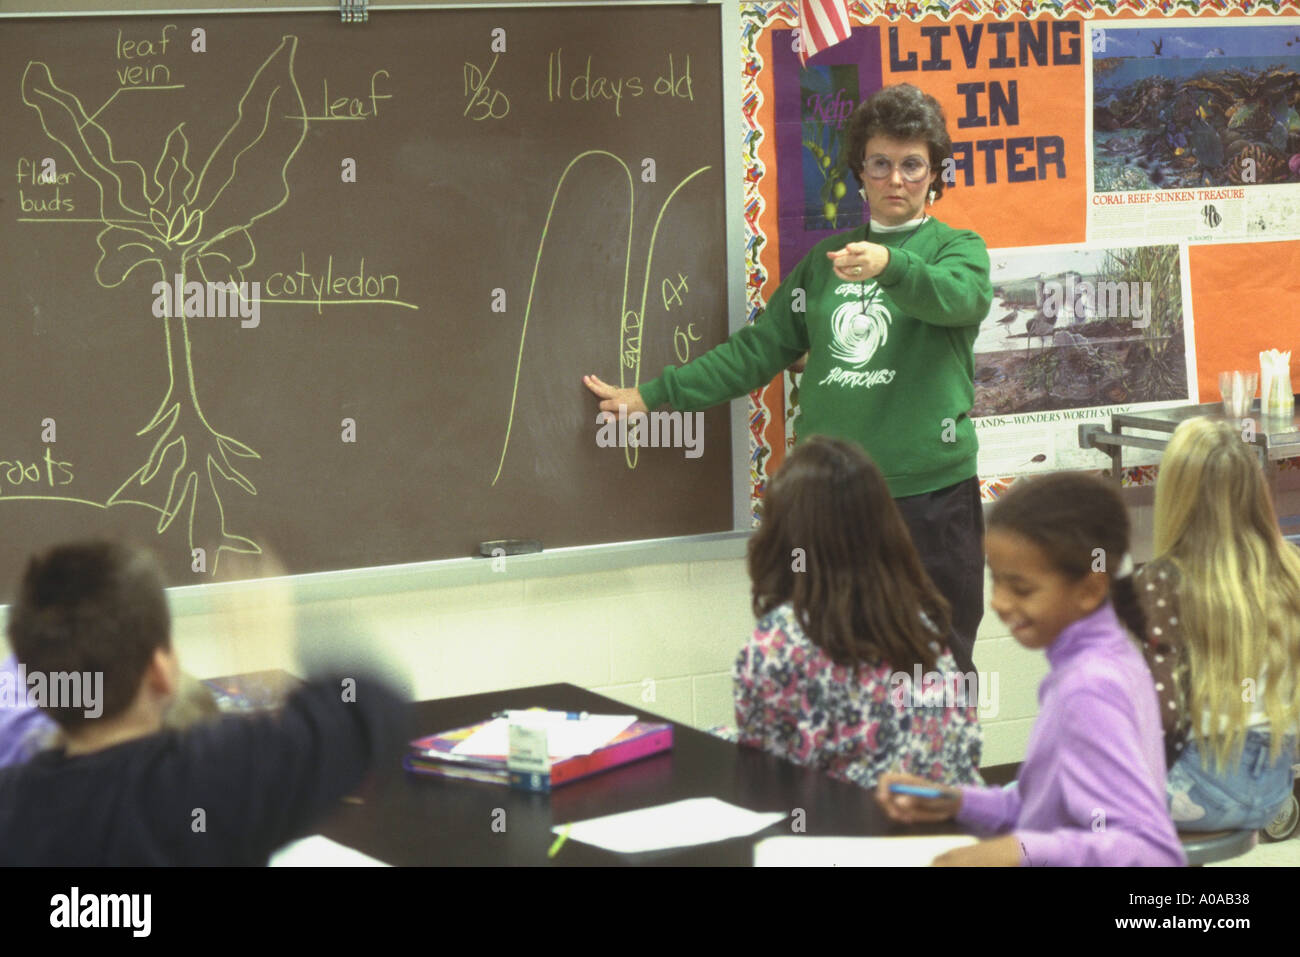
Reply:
x=171, y=223
x=632, y=321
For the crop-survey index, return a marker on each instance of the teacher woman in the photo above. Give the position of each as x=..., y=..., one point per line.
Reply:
x=887, y=315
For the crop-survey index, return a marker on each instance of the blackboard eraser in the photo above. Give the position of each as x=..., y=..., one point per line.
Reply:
x=508, y=546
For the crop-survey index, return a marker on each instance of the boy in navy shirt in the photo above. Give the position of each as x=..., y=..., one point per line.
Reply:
x=124, y=791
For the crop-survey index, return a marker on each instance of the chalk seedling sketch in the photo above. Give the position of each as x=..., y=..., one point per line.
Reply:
x=631, y=322
x=171, y=223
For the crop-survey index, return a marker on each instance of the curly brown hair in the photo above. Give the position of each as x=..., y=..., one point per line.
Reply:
x=900, y=112
x=834, y=545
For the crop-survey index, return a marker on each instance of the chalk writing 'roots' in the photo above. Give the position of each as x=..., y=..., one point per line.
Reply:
x=630, y=321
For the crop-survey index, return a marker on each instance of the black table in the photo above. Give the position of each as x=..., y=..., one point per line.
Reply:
x=408, y=819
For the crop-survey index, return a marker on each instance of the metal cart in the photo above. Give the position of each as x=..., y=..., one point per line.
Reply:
x=1276, y=438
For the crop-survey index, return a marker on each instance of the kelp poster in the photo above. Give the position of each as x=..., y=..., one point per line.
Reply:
x=812, y=105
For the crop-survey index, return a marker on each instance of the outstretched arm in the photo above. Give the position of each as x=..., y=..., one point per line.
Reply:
x=748, y=360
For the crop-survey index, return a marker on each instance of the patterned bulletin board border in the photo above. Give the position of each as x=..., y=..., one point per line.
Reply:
x=978, y=9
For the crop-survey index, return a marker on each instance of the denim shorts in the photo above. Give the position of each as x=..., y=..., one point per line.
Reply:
x=1247, y=795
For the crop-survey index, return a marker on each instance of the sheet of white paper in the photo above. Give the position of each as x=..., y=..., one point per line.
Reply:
x=855, y=851
x=564, y=738
x=680, y=824
x=318, y=851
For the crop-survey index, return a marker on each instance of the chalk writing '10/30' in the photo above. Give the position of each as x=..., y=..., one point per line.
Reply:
x=489, y=104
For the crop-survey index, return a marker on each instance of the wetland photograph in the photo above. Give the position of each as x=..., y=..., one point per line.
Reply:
x=1075, y=328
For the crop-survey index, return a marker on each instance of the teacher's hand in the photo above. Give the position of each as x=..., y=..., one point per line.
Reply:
x=613, y=398
x=858, y=261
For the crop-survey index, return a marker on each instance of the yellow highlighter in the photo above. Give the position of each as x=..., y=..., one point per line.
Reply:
x=559, y=841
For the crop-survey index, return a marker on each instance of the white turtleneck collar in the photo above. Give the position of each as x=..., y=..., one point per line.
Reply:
x=901, y=227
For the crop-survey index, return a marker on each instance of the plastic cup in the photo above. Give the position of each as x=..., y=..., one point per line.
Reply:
x=1238, y=391
x=1275, y=396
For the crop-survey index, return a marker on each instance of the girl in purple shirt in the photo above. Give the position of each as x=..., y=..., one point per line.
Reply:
x=1091, y=790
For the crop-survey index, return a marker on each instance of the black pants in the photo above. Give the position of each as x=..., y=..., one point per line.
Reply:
x=947, y=527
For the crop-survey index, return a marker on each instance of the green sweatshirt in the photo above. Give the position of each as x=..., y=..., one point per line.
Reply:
x=891, y=361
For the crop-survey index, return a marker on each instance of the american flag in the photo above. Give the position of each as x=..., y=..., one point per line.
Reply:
x=824, y=23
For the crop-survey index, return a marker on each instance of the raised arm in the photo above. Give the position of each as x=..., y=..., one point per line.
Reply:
x=267, y=780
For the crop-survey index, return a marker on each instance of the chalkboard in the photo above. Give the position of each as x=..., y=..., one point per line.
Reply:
x=280, y=286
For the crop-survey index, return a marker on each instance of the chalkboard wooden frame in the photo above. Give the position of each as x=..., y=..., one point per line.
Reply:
x=390, y=579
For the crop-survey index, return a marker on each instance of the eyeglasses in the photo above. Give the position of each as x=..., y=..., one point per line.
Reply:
x=912, y=169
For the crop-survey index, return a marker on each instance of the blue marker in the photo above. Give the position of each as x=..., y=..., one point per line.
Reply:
x=914, y=791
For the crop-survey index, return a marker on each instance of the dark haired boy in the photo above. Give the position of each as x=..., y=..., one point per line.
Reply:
x=124, y=791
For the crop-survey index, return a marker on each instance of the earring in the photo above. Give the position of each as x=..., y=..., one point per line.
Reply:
x=863, y=193
x=931, y=197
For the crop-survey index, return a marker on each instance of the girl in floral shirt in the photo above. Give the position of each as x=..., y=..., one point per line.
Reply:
x=848, y=670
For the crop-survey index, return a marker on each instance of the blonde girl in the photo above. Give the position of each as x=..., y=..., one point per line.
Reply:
x=1221, y=601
